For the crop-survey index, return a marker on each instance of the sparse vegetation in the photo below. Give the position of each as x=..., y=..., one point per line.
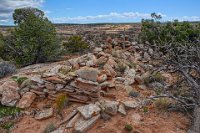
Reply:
x=7, y=111
x=61, y=102
x=6, y=68
x=155, y=77
x=7, y=125
x=76, y=44
x=177, y=45
x=162, y=104
x=50, y=128
x=128, y=127
x=19, y=80
x=120, y=67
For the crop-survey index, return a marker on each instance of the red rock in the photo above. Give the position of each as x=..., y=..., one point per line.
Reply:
x=26, y=100
x=56, y=80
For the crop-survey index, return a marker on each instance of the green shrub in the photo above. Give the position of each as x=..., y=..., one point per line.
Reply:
x=75, y=44
x=61, y=102
x=128, y=127
x=6, y=68
x=162, y=104
x=8, y=111
x=33, y=40
x=7, y=125
x=173, y=33
x=155, y=77
x=121, y=67
x=50, y=128
x=19, y=80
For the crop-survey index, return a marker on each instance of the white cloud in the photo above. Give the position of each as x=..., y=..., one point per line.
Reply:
x=110, y=16
x=8, y=6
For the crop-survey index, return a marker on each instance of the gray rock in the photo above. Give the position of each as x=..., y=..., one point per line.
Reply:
x=97, y=50
x=157, y=85
x=139, y=79
x=59, y=130
x=37, y=79
x=44, y=114
x=134, y=94
x=88, y=73
x=150, y=51
x=89, y=110
x=129, y=76
x=59, y=87
x=131, y=104
x=128, y=89
x=147, y=57
x=105, y=116
x=83, y=125
x=121, y=109
x=111, y=107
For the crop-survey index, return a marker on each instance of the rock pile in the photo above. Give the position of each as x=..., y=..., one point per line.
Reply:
x=86, y=79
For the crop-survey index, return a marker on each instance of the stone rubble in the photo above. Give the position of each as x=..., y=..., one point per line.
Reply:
x=86, y=79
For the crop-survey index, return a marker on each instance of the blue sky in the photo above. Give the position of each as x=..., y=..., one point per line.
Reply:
x=94, y=11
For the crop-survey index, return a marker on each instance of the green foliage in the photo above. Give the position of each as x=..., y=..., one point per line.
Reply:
x=6, y=68
x=61, y=102
x=157, y=33
x=50, y=128
x=8, y=111
x=19, y=80
x=21, y=15
x=7, y=125
x=145, y=109
x=2, y=44
x=155, y=77
x=121, y=67
x=132, y=65
x=128, y=127
x=76, y=44
x=35, y=38
x=162, y=104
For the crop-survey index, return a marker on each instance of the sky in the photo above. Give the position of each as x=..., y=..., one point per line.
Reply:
x=104, y=11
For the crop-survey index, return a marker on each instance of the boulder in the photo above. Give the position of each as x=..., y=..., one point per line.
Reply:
x=50, y=86
x=59, y=87
x=147, y=57
x=129, y=76
x=37, y=79
x=86, y=85
x=8, y=84
x=121, y=109
x=88, y=73
x=111, y=107
x=128, y=88
x=97, y=50
x=111, y=62
x=10, y=94
x=109, y=70
x=102, y=78
x=130, y=104
x=26, y=100
x=44, y=114
x=83, y=125
x=56, y=80
x=89, y=110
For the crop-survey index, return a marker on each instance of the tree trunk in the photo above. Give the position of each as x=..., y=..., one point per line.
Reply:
x=195, y=127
